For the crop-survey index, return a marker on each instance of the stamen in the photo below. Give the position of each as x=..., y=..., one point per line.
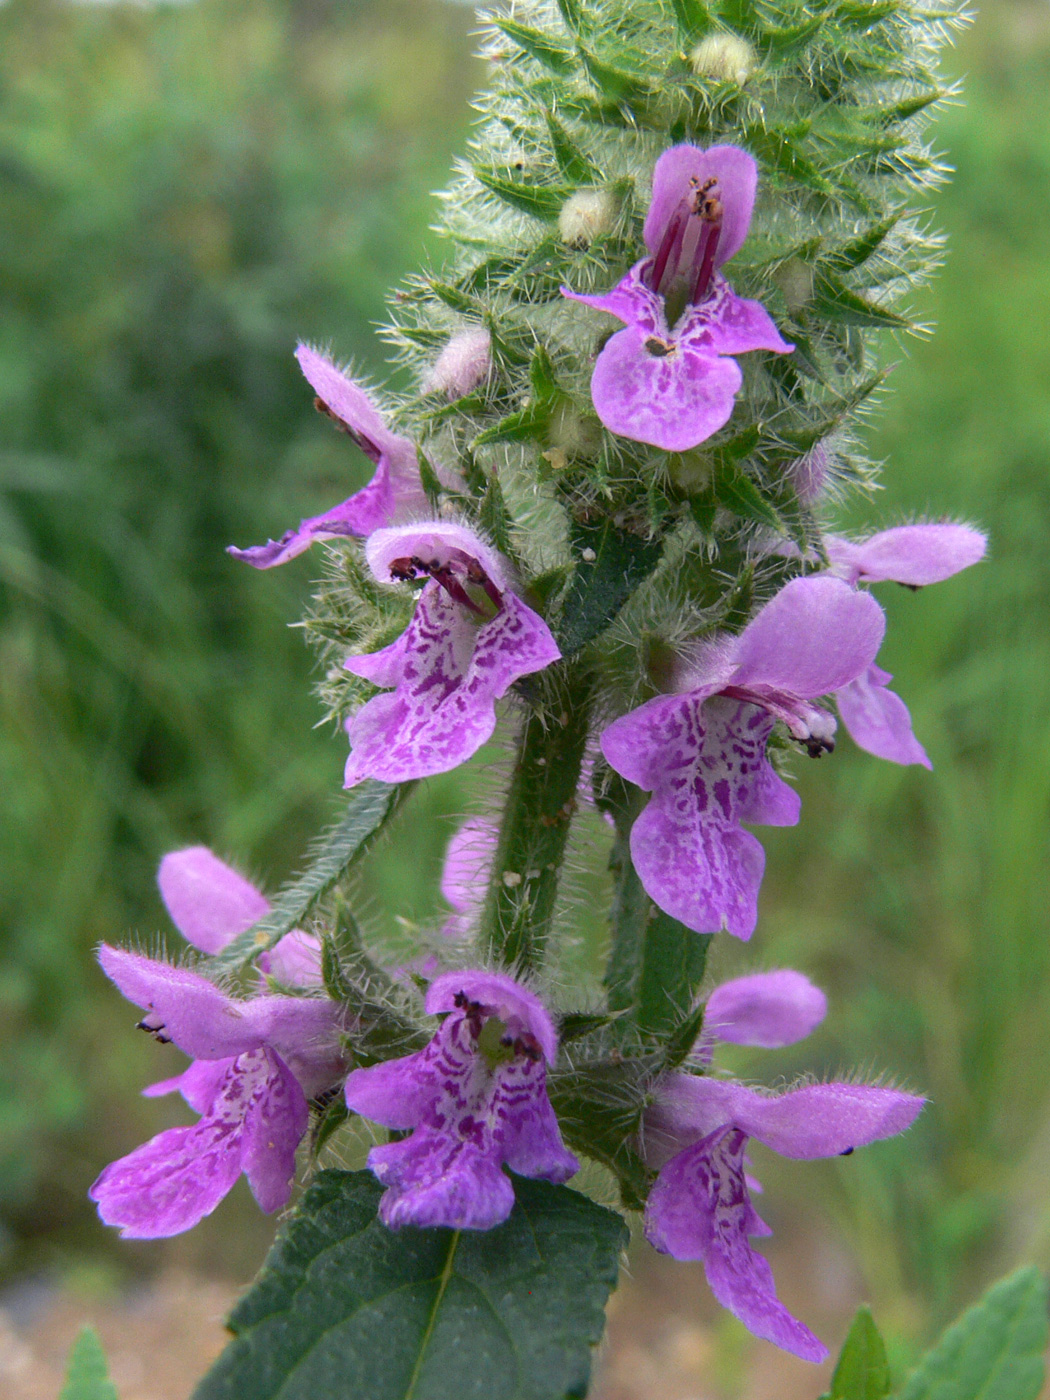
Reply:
x=411, y=567
x=710, y=211
x=671, y=243
x=367, y=446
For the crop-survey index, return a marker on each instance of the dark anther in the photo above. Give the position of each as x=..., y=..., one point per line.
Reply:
x=404, y=570
x=460, y=1000
x=816, y=747
x=528, y=1046
x=848, y=1152
x=912, y=587
x=658, y=347
x=506, y=1041
x=322, y=407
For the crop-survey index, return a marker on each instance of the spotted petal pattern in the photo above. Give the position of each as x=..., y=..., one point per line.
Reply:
x=697, y=1131
x=446, y=673
x=253, y=1123
x=674, y=387
x=700, y=1208
x=472, y=1107
x=706, y=766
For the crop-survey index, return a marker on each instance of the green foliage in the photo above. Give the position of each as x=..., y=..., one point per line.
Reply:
x=862, y=1372
x=994, y=1352
x=87, y=1375
x=184, y=191
x=347, y=1309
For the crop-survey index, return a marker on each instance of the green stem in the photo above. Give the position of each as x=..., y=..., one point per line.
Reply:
x=537, y=815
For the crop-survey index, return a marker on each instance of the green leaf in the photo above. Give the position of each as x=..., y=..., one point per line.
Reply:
x=541, y=201
x=613, y=83
x=572, y=13
x=349, y=1310
x=369, y=806
x=87, y=1375
x=862, y=1372
x=455, y=299
x=572, y=162
x=738, y=493
x=779, y=151
x=693, y=19
x=527, y=424
x=610, y=565
x=494, y=517
x=994, y=1352
x=429, y=480
x=557, y=57
x=833, y=299
x=858, y=250
x=783, y=43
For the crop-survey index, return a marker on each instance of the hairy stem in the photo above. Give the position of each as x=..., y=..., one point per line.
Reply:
x=536, y=819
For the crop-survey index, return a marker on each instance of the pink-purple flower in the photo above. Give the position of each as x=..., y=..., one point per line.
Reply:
x=256, y=1061
x=697, y=1133
x=471, y=637
x=668, y=378
x=914, y=555
x=394, y=493
x=702, y=752
x=473, y=1101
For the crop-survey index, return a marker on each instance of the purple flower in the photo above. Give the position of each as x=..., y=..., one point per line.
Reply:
x=697, y=1133
x=471, y=637
x=255, y=1062
x=394, y=493
x=914, y=555
x=465, y=875
x=702, y=755
x=474, y=1100
x=668, y=377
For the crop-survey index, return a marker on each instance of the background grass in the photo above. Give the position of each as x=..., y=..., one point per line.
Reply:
x=186, y=189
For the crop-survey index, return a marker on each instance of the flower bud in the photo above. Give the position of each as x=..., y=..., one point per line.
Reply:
x=586, y=215
x=726, y=57
x=463, y=364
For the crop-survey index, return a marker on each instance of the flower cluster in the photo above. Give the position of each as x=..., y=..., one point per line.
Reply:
x=471, y=1108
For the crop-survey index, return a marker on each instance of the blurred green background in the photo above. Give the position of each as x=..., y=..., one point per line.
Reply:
x=185, y=190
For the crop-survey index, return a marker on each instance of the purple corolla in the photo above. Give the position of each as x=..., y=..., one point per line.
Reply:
x=256, y=1062
x=914, y=555
x=668, y=378
x=474, y=1100
x=697, y=1133
x=394, y=493
x=471, y=637
x=702, y=752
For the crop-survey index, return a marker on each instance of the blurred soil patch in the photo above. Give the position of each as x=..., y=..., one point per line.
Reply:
x=159, y=1339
